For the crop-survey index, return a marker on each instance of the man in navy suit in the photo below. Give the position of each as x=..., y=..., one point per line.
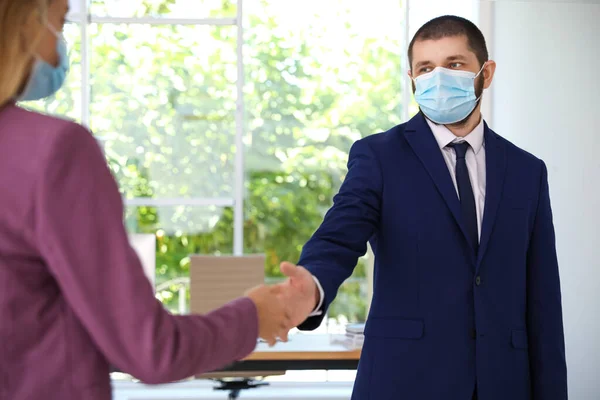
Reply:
x=467, y=300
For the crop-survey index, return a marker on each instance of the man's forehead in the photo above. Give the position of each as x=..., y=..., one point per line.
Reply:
x=441, y=44
x=442, y=49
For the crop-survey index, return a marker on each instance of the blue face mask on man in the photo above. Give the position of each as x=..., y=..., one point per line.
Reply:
x=45, y=79
x=446, y=96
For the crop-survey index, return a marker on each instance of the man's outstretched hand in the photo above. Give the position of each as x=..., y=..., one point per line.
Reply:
x=299, y=291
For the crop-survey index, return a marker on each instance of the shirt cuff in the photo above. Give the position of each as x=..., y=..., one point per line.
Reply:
x=317, y=311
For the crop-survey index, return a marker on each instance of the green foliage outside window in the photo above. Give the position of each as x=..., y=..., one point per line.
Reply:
x=164, y=99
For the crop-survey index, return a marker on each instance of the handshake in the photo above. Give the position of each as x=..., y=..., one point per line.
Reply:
x=286, y=305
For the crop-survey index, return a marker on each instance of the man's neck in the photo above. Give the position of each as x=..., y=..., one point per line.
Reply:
x=464, y=128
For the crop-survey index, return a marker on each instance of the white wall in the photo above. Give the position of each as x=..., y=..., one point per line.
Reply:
x=546, y=99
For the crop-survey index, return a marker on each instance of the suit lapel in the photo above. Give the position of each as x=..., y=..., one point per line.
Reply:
x=421, y=139
x=495, y=155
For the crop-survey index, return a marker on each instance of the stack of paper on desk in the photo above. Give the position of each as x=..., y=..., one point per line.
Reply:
x=355, y=329
x=355, y=333
x=354, y=337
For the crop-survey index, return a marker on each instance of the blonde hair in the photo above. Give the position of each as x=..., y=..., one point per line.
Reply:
x=21, y=24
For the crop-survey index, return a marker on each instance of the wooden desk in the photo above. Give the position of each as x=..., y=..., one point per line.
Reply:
x=301, y=352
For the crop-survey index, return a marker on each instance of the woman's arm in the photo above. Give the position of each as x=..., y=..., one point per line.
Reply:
x=79, y=230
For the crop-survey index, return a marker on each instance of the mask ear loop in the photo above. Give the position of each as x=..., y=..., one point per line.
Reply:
x=54, y=30
x=482, y=67
x=59, y=37
x=36, y=60
x=475, y=77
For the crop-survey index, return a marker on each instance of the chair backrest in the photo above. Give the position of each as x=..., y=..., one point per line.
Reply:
x=217, y=280
x=145, y=247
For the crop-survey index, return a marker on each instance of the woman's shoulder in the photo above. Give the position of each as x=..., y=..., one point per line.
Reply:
x=40, y=132
x=35, y=123
x=43, y=139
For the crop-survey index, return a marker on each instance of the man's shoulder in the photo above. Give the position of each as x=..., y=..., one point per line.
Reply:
x=384, y=139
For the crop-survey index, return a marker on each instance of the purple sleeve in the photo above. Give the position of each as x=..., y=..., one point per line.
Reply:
x=80, y=232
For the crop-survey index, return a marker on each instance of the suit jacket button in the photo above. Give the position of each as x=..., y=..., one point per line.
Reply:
x=478, y=280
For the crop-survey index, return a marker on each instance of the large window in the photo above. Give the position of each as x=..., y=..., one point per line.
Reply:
x=228, y=128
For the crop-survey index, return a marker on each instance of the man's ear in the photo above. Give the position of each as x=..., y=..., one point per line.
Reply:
x=488, y=73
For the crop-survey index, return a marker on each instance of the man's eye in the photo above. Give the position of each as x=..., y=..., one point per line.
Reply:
x=425, y=70
x=456, y=65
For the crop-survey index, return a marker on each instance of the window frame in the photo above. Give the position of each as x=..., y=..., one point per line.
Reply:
x=83, y=18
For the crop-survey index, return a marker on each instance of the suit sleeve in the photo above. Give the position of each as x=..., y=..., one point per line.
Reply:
x=333, y=251
x=79, y=230
x=544, y=309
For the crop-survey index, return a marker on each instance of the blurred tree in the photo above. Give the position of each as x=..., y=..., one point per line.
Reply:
x=164, y=97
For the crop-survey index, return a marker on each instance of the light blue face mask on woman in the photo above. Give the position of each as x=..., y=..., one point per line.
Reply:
x=46, y=79
x=446, y=96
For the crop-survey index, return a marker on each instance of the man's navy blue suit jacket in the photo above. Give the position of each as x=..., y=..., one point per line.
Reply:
x=443, y=319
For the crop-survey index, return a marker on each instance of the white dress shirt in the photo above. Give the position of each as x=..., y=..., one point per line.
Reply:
x=475, y=159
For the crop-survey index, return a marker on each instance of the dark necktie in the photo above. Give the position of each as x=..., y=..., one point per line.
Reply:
x=465, y=192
